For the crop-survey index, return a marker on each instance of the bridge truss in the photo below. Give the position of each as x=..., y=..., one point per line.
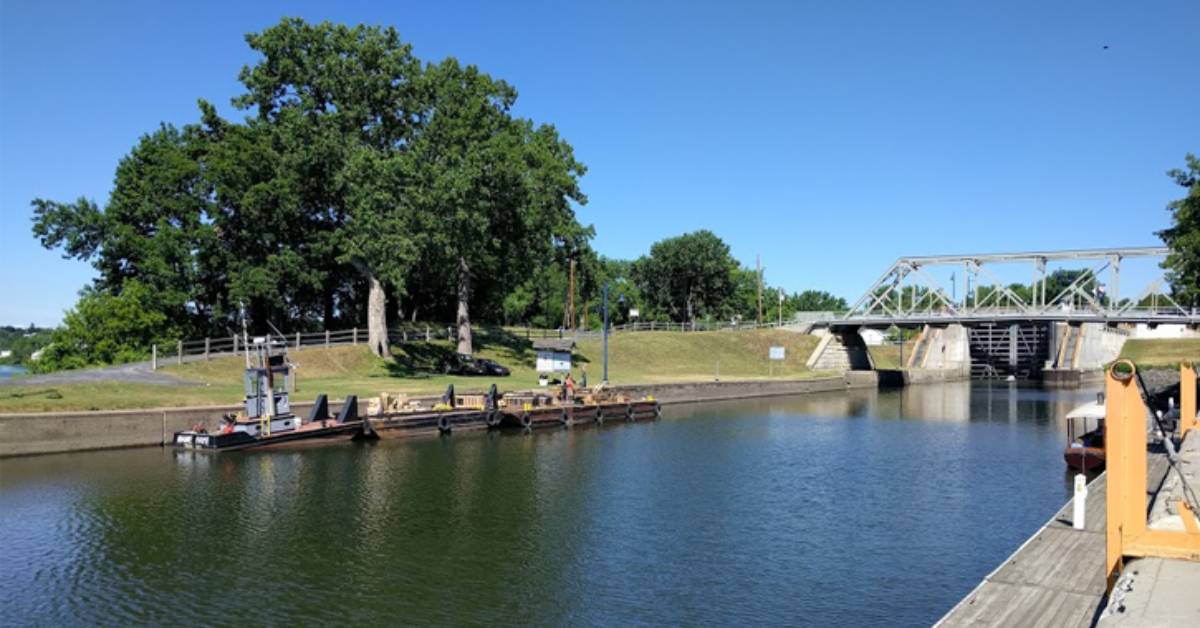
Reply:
x=908, y=295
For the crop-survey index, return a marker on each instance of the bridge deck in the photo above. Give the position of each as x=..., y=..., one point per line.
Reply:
x=1006, y=317
x=1057, y=577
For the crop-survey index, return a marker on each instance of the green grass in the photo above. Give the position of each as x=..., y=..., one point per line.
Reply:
x=1161, y=352
x=635, y=358
x=887, y=357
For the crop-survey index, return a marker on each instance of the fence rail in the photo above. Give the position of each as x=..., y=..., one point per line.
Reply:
x=208, y=348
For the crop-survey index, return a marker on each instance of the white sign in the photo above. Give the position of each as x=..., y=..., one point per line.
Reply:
x=553, y=361
x=633, y=312
x=776, y=353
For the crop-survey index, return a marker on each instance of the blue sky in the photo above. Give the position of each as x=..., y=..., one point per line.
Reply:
x=830, y=138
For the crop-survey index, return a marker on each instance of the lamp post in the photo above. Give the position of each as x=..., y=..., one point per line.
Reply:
x=781, y=307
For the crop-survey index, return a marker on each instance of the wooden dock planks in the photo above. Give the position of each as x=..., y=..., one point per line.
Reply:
x=1057, y=577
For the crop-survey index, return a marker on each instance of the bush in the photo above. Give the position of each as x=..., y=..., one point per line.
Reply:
x=106, y=328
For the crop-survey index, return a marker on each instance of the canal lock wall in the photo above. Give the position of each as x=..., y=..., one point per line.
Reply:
x=27, y=434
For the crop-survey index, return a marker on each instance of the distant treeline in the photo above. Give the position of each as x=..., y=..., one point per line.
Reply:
x=22, y=342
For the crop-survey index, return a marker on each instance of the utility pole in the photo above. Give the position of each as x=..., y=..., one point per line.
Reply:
x=570, y=313
x=604, y=334
x=758, y=272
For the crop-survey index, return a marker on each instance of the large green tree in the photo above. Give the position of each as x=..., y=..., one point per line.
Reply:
x=492, y=193
x=156, y=231
x=360, y=173
x=1183, y=236
x=344, y=103
x=688, y=276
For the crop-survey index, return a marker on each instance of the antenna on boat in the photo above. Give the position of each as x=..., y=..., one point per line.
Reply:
x=282, y=338
x=245, y=334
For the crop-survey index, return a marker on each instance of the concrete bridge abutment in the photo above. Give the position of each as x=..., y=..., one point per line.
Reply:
x=841, y=349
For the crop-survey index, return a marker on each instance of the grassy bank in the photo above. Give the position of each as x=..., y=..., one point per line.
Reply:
x=887, y=357
x=1165, y=352
x=634, y=358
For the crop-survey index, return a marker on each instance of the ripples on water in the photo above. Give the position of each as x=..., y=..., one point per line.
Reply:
x=862, y=508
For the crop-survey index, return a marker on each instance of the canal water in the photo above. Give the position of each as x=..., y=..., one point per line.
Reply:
x=860, y=508
x=11, y=370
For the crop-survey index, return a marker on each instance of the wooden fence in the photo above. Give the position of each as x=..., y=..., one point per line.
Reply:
x=207, y=348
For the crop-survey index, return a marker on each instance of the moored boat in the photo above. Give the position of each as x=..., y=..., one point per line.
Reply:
x=393, y=416
x=267, y=419
x=537, y=409
x=1085, y=436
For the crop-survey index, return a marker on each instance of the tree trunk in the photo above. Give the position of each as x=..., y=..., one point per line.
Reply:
x=377, y=318
x=464, y=317
x=327, y=313
x=376, y=313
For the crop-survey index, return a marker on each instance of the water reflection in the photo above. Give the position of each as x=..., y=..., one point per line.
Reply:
x=808, y=508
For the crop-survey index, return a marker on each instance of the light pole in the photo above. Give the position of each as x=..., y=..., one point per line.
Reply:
x=781, y=308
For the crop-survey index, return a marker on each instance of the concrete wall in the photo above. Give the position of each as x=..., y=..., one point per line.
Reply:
x=45, y=433
x=840, y=351
x=53, y=432
x=713, y=391
x=1101, y=345
x=950, y=350
x=933, y=375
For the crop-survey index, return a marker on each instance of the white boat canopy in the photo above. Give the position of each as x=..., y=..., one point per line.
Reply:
x=1092, y=410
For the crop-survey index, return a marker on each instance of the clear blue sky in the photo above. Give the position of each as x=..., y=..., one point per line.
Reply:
x=829, y=137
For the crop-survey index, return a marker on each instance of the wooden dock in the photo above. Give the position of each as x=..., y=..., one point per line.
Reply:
x=1056, y=578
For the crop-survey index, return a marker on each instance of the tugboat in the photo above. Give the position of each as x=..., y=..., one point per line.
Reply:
x=1085, y=436
x=267, y=419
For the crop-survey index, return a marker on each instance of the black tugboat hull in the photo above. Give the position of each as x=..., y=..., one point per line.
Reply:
x=239, y=441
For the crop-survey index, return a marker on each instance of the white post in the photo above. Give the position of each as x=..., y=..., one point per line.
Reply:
x=153, y=357
x=1080, y=500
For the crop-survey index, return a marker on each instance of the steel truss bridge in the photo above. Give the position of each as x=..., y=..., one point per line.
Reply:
x=907, y=296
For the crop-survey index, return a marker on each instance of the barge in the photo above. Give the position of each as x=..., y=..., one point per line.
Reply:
x=394, y=416
x=397, y=416
x=533, y=410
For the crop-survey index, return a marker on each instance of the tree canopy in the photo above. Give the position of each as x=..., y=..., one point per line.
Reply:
x=688, y=276
x=362, y=174
x=1183, y=236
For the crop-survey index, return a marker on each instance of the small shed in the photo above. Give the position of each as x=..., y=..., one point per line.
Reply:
x=554, y=354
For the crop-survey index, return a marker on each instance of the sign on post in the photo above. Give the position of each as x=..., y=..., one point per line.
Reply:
x=775, y=353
